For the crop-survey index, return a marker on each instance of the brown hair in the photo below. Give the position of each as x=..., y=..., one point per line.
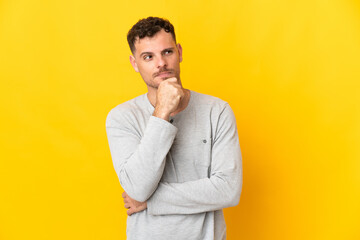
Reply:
x=148, y=27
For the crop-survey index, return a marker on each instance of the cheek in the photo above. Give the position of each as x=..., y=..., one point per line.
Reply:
x=146, y=72
x=145, y=68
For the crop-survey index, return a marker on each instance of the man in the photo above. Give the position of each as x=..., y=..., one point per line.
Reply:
x=176, y=152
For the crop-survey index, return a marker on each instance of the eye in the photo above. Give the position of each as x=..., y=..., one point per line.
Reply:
x=167, y=52
x=147, y=57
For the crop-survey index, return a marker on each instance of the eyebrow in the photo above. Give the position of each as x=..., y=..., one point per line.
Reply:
x=149, y=53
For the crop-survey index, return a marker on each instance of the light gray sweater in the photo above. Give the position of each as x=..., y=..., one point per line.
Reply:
x=187, y=170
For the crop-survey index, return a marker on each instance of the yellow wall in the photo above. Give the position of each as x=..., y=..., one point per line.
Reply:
x=289, y=69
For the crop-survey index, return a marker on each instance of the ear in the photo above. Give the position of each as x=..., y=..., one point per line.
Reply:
x=133, y=63
x=180, y=51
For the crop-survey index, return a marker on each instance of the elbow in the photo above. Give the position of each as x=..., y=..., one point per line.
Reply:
x=234, y=200
x=229, y=189
x=140, y=193
x=139, y=196
x=136, y=188
x=236, y=187
x=234, y=196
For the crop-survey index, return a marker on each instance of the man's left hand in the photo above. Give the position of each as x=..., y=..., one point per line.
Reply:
x=132, y=205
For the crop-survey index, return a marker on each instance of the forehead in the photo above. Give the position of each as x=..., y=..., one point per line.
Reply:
x=156, y=43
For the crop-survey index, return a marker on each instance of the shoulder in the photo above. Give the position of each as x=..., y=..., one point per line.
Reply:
x=126, y=111
x=218, y=110
x=204, y=101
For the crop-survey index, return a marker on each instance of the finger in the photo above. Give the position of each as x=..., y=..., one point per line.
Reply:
x=142, y=207
x=124, y=194
x=127, y=205
x=129, y=212
x=172, y=79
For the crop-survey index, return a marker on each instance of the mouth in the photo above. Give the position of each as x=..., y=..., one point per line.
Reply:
x=164, y=74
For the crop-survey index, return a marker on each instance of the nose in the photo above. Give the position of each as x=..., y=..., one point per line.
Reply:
x=161, y=62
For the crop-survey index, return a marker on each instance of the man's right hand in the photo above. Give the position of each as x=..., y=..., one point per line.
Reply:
x=168, y=97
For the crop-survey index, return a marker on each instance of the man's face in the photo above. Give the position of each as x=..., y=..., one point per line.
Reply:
x=157, y=58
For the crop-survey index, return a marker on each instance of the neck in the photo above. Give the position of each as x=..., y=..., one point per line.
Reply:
x=151, y=95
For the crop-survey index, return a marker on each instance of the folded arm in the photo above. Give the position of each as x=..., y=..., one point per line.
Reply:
x=139, y=161
x=220, y=190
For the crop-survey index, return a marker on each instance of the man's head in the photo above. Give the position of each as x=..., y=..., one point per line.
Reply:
x=156, y=56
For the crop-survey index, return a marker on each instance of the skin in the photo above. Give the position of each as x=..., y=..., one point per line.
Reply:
x=157, y=59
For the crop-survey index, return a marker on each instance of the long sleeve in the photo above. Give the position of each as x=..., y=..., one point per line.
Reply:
x=138, y=157
x=220, y=190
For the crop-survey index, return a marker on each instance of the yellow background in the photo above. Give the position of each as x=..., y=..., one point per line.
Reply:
x=289, y=69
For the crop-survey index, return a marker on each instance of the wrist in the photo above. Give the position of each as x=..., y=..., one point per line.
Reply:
x=161, y=114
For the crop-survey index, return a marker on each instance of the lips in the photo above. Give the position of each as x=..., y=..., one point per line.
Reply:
x=163, y=74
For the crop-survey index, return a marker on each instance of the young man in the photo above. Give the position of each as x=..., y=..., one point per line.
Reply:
x=176, y=152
